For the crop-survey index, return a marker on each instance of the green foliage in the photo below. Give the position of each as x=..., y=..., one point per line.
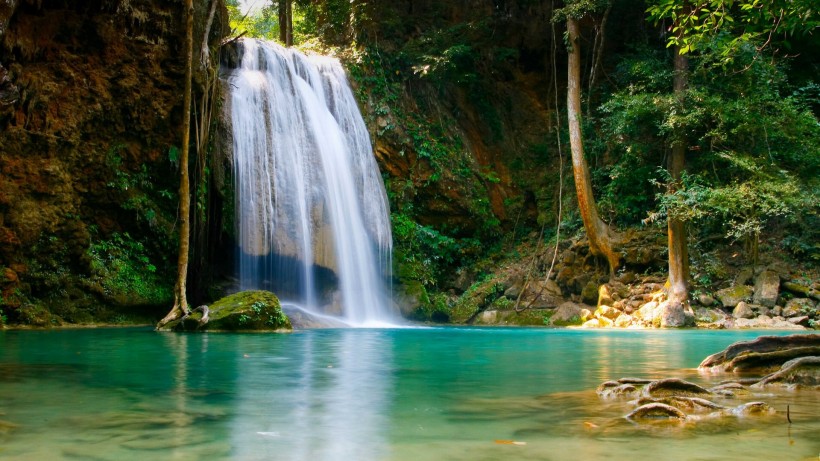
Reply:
x=424, y=254
x=121, y=266
x=577, y=9
x=727, y=26
x=262, y=23
x=138, y=193
x=753, y=147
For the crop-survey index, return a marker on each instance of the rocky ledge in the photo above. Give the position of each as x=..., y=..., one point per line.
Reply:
x=786, y=361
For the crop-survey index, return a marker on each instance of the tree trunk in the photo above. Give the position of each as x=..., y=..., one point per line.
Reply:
x=601, y=238
x=676, y=229
x=180, y=300
x=286, y=22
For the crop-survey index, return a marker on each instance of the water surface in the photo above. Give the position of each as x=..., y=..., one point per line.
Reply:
x=369, y=394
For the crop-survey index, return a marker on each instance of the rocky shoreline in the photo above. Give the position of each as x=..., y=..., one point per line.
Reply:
x=789, y=362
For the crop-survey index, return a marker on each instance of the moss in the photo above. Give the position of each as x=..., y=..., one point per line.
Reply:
x=243, y=311
x=37, y=315
x=574, y=321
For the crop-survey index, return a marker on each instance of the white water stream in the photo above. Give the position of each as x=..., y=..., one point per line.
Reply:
x=309, y=196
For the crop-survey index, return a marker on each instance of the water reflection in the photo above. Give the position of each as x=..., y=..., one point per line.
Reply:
x=327, y=400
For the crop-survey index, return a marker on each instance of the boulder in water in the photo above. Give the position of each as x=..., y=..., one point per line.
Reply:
x=723, y=360
x=656, y=411
x=803, y=371
x=673, y=387
x=244, y=311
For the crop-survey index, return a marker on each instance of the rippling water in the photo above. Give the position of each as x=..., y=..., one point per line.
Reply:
x=403, y=394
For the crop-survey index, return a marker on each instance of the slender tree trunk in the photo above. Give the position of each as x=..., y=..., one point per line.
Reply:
x=180, y=300
x=676, y=229
x=286, y=22
x=601, y=238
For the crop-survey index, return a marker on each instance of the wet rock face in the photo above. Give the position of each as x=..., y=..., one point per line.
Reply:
x=90, y=96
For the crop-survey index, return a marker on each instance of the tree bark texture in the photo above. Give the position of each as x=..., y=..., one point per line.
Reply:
x=180, y=299
x=676, y=229
x=600, y=236
x=286, y=22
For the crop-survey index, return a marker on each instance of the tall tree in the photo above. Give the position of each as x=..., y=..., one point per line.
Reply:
x=180, y=307
x=724, y=26
x=601, y=238
x=286, y=22
x=676, y=228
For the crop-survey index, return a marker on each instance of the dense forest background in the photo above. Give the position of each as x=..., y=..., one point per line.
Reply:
x=466, y=103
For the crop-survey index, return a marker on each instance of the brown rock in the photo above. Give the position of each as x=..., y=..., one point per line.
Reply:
x=743, y=311
x=730, y=297
x=673, y=386
x=656, y=411
x=762, y=344
x=767, y=287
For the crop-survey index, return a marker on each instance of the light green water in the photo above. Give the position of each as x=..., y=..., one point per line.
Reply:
x=403, y=394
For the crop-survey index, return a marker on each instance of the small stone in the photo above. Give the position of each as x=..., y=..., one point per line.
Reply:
x=705, y=300
x=797, y=307
x=764, y=321
x=623, y=321
x=604, y=296
x=767, y=287
x=647, y=311
x=592, y=323
x=801, y=320
x=743, y=311
x=744, y=276
x=760, y=309
x=608, y=312
x=730, y=297
x=589, y=294
x=605, y=322
x=675, y=315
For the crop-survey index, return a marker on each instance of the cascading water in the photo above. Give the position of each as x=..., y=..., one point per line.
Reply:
x=310, y=202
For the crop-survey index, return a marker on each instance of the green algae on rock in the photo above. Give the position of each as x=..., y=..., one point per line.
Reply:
x=244, y=311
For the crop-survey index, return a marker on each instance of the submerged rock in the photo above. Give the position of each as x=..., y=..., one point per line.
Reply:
x=752, y=408
x=683, y=403
x=673, y=387
x=243, y=311
x=613, y=389
x=803, y=371
x=656, y=412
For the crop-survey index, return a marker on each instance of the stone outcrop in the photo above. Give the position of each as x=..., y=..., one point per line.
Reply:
x=772, y=349
x=243, y=311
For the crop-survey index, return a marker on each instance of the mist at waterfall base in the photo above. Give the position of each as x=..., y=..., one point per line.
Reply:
x=312, y=218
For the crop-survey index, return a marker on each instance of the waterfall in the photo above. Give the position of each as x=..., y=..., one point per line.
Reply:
x=312, y=218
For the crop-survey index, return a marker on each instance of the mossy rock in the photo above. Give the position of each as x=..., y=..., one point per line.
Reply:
x=243, y=311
